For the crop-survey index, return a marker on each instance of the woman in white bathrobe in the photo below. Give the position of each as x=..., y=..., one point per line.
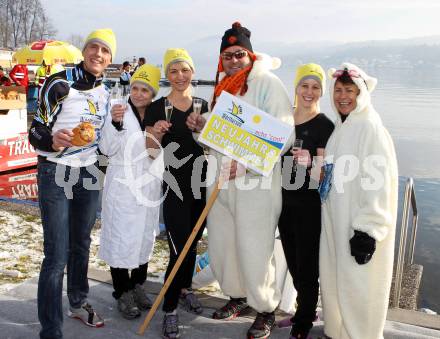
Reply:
x=132, y=193
x=359, y=212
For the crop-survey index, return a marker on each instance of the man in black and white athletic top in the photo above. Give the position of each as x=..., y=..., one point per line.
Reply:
x=65, y=132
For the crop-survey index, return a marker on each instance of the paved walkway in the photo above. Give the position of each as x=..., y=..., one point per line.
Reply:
x=18, y=319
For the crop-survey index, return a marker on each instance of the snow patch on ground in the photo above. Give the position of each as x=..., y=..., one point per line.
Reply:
x=21, y=251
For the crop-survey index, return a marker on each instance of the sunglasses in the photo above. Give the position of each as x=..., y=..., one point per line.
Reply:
x=351, y=72
x=237, y=55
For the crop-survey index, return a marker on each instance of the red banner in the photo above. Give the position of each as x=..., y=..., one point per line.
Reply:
x=16, y=153
x=39, y=45
x=19, y=185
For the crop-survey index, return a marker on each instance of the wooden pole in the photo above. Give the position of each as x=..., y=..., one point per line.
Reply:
x=181, y=257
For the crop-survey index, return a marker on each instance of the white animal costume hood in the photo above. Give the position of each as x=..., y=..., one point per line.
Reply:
x=363, y=197
x=365, y=83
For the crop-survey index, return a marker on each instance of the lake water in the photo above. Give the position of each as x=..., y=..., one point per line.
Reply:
x=409, y=104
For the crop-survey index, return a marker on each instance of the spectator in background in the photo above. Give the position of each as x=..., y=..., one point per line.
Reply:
x=19, y=74
x=124, y=79
x=139, y=64
x=4, y=80
x=40, y=75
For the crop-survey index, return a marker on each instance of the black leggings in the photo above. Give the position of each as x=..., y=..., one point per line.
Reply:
x=180, y=218
x=300, y=228
x=122, y=282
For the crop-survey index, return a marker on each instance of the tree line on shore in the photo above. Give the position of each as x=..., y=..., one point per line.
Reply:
x=22, y=22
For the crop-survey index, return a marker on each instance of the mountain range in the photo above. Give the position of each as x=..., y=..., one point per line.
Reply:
x=419, y=52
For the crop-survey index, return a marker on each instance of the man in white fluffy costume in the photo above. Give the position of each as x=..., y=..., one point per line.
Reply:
x=242, y=222
x=359, y=212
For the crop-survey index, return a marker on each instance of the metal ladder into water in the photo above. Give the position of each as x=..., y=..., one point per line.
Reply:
x=405, y=259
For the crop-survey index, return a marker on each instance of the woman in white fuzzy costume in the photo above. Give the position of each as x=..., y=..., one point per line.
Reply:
x=359, y=212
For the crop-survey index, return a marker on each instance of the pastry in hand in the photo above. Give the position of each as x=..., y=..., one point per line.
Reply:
x=83, y=134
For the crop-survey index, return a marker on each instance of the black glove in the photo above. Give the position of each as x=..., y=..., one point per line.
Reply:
x=362, y=247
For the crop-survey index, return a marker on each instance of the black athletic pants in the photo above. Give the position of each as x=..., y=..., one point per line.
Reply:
x=122, y=282
x=300, y=227
x=180, y=218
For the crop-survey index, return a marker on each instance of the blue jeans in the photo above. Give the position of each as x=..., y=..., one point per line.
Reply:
x=67, y=224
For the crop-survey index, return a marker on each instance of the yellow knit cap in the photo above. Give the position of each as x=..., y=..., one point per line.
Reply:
x=309, y=71
x=173, y=55
x=149, y=75
x=104, y=36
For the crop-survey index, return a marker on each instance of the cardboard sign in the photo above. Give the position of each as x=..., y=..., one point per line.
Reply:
x=245, y=133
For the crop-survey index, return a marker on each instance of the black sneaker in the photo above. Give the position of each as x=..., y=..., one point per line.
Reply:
x=300, y=331
x=141, y=298
x=262, y=326
x=231, y=310
x=190, y=302
x=127, y=306
x=170, y=326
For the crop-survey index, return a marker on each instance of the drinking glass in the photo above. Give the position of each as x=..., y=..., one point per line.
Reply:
x=115, y=92
x=122, y=99
x=168, y=109
x=297, y=146
x=125, y=95
x=195, y=85
x=197, y=105
x=119, y=96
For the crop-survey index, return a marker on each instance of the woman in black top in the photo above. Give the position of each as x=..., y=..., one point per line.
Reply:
x=300, y=220
x=184, y=160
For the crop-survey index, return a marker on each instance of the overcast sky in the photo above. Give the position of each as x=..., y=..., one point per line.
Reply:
x=150, y=26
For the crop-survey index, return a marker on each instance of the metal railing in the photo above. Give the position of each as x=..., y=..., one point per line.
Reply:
x=409, y=198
